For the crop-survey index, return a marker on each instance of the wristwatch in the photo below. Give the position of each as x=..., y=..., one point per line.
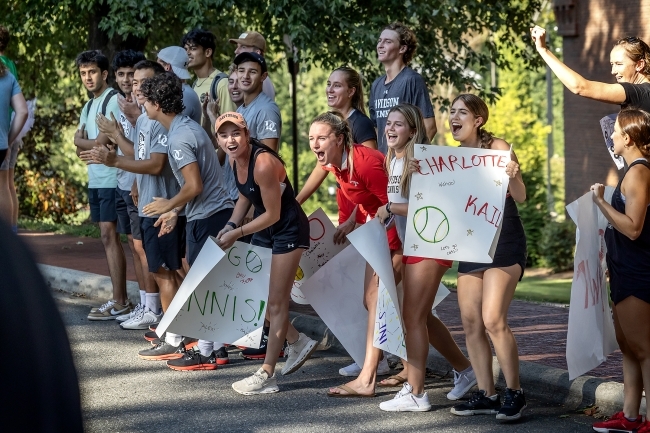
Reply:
x=388, y=208
x=231, y=224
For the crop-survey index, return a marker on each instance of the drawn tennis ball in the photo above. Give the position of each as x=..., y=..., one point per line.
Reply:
x=299, y=274
x=253, y=262
x=431, y=224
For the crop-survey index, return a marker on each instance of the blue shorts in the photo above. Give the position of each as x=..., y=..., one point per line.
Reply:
x=166, y=251
x=198, y=231
x=102, y=204
x=128, y=220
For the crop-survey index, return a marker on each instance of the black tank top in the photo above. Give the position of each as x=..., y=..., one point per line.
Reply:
x=629, y=257
x=251, y=190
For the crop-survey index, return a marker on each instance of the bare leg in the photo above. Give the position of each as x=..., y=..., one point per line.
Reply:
x=166, y=281
x=441, y=340
x=14, y=197
x=498, y=289
x=115, y=258
x=6, y=206
x=150, y=285
x=283, y=272
x=137, y=266
x=470, y=301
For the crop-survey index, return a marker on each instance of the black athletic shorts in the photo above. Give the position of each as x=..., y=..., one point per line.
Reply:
x=102, y=204
x=166, y=251
x=198, y=231
x=3, y=154
x=128, y=220
x=288, y=234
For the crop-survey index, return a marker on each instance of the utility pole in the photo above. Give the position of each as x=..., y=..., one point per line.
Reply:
x=292, y=63
x=549, y=139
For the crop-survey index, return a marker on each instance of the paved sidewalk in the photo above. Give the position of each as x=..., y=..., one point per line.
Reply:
x=540, y=329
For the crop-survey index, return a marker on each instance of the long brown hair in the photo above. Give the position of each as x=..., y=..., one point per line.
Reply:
x=478, y=108
x=415, y=121
x=340, y=127
x=353, y=80
x=636, y=124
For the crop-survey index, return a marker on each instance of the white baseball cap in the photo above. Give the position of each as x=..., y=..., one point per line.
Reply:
x=177, y=58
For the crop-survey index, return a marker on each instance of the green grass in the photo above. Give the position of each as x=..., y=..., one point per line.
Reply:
x=536, y=289
x=85, y=229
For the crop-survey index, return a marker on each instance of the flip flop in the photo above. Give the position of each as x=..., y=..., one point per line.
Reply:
x=399, y=379
x=350, y=393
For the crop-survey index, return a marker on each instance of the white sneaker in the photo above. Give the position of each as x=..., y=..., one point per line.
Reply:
x=143, y=320
x=297, y=353
x=131, y=315
x=463, y=382
x=354, y=369
x=258, y=383
x=406, y=401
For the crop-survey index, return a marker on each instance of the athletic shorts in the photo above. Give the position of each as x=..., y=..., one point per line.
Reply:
x=3, y=153
x=198, y=231
x=128, y=220
x=10, y=162
x=102, y=204
x=411, y=260
x=166, y=251
x=288, y=234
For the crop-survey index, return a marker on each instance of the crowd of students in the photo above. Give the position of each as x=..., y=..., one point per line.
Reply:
x=170, y=164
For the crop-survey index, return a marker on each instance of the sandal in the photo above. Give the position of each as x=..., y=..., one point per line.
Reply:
x=399, y=379
x=349, y=392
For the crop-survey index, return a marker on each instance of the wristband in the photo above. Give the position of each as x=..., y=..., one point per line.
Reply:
x=231, y=224
x=388, y=208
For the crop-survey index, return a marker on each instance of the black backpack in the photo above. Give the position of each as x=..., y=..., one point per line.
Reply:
x=107, y=99
x=213, y=86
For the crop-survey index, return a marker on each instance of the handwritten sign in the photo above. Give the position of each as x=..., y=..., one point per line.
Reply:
x=607, y=126
x=456, y=203
x=371, y=242
x=223, y=297
x=590, y=337
x=321, y=250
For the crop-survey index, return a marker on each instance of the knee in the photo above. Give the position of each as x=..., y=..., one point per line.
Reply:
x=276, y=307
x=640, y=351
x=473, y=325
x=495, y=325
x=108, y=233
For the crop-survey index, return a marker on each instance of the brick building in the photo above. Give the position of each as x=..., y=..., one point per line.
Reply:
x=589, y=29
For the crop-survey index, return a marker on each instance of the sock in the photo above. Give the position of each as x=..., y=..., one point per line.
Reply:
x=419, y=395
x=173, y=339
x=143, y=297
x=14, y=229
x=205, y=347
x=467, y=370
x=152, y=302
x=217, y=346
x=494, y=397
x=631, y=419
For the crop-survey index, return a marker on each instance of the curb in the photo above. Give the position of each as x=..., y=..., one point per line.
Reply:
x=546, y=383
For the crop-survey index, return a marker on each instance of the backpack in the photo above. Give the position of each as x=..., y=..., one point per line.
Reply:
x=107, y=99
x=213, y=86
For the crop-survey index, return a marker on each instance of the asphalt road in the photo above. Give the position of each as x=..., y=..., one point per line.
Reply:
x=121, y=393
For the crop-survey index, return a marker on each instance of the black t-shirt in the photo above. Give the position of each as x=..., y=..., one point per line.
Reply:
x=362, y=127
x=637, y=96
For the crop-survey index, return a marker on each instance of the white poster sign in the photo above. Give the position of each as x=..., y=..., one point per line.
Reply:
x=590, y=337
x=607, y=126
x=335, y=292
x=321, y=250
x=223, y=297
x=371, y=242
x=456, y=203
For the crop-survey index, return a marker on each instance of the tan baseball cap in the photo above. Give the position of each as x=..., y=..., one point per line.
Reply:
x=232, y=117
x=252, y=39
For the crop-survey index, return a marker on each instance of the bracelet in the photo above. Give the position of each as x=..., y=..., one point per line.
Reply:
x=231, y=224
x=242, y=231
x=388, y=208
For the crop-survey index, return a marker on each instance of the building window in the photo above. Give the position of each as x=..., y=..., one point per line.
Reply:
x=566, y=15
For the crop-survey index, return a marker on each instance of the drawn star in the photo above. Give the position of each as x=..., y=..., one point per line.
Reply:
x=497, y=182
x=414, y=247
x=470, y=232
x=424, y=148
x=418, y=196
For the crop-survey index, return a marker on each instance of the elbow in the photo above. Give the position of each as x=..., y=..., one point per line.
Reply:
x=634, y=234
x=519, y=198
x=578, y=88
x=196, y=190
x=157, y=171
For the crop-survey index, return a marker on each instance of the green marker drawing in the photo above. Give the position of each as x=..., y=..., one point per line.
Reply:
x=431, y=224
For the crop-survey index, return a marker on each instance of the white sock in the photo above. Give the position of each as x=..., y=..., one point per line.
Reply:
x=143, y=297
x=205, y=347
x=217, y=346
x=173, y=339
x=467, y=370
x=493, y=397
x=152, y=302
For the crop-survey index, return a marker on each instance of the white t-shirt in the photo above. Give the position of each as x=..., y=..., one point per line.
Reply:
x=395, y=195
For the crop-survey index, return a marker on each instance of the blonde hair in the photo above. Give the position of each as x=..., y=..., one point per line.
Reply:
x=415, y=121
x=340, y=126
x=479, y=109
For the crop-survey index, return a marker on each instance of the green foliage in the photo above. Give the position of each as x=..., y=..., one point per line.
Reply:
x=557, y=245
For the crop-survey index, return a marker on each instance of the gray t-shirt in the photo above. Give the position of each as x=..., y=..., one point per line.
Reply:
x=408, y=86
x=192, y=104
x=124, y=178
x=8, y=88
x=262, y=116
x=188, y=143
x=151, y=137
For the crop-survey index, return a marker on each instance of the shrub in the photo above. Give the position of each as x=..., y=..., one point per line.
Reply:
x=557, y=245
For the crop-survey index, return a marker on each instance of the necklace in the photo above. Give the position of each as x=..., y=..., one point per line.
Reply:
x=197, y=84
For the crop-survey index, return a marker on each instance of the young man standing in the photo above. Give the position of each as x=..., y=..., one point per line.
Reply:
x=254, y=42
x=199, y=45
x=174, y=59
x=207, y=204
x=154, y=177
x=395, y=49
x=102, y=180
x=260, y=112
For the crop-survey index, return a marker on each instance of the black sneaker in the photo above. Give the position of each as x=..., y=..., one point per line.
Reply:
x=478, y=404
x=250, y=353
x=162, y=351
x=514, y=404
x=221, y=356
x=193, y=360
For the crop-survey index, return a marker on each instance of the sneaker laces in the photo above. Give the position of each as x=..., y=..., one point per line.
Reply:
x=139, y=314
x=257, y=378
x=508, y=399
x=476, y=397
x=457, y=376
x=106, y=306
x=406, y=390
